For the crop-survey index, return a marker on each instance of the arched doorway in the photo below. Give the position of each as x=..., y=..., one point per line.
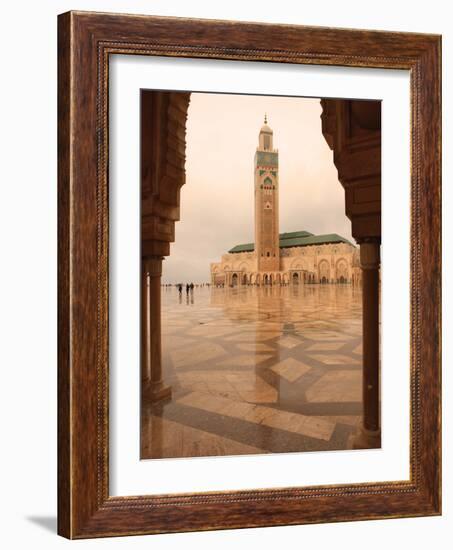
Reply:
x=295, y=278
x=244, y=279
x=234, y=279
x=266, y=280
x=324, y=271
x=342, y=273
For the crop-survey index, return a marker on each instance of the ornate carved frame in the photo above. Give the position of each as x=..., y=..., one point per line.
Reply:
x=86, y=40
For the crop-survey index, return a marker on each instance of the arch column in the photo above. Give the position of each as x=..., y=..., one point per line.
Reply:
x=163, y=126
x=370, y=263
x=154, y=388
x=352, y=130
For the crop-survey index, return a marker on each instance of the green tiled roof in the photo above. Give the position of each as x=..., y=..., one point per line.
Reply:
x=249, y=247
x=295, y=234
x=312, y=239
x=297, y=238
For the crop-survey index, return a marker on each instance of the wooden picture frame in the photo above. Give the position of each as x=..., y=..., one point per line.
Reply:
x=85, y=41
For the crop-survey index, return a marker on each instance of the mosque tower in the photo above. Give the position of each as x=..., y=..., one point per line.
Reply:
x=267, y=248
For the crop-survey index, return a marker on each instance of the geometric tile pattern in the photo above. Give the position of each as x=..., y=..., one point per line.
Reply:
x=290, y=369
x=257, y=370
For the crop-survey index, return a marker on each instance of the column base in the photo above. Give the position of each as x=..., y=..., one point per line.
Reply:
x=366, y=439
x=157, y=392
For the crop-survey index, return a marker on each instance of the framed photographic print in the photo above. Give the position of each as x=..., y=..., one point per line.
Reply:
x=249, y=275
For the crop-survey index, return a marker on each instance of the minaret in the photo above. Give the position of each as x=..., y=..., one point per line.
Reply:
x=266, y=202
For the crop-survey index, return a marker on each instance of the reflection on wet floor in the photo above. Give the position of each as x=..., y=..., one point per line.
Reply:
x=257, y=370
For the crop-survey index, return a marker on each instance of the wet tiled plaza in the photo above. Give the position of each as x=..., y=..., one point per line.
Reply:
x=257, y=370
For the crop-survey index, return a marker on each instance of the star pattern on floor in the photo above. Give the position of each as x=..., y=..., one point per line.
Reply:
x=257, y=370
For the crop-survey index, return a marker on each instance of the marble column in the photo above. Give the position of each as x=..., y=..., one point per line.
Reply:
x=154, y=387
x=369, y=263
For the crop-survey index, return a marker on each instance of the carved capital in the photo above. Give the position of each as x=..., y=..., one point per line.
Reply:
x=370, y=257
x=352, y=128
x=152, y=266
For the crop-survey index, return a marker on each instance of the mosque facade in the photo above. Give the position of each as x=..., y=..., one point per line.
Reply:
x=276, y=258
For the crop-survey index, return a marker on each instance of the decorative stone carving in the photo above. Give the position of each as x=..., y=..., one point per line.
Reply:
x=352, y=129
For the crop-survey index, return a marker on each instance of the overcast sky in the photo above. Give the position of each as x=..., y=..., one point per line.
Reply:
x=217, y=201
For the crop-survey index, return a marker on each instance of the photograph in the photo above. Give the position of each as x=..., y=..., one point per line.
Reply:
x=252, y=323
x=249, y=271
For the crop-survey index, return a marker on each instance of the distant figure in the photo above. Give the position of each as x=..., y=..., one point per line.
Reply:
x=187, y=288
x=191, y=287
x=179, y=288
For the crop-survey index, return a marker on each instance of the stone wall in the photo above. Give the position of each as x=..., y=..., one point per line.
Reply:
x=324, y=263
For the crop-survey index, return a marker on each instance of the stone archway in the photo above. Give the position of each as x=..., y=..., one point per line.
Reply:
x=234, y=279
x=323, y=271
x=298, y=265
x=341, y=271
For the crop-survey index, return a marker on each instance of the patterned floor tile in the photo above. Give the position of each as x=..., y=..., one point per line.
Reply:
x=336, y=359
x=311, y=426
x=267, y=365
x=243, y=360
x=255, y=347
x=325, y=346
x=338, y=386
x=289, y=342
x=290, y=369
x=196, y=354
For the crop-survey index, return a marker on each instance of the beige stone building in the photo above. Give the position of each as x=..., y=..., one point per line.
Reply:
x=299, y=257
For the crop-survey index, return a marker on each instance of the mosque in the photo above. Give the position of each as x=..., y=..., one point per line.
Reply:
x=277, y=258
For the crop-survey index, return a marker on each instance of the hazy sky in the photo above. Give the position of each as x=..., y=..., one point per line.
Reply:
x=217, y=201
